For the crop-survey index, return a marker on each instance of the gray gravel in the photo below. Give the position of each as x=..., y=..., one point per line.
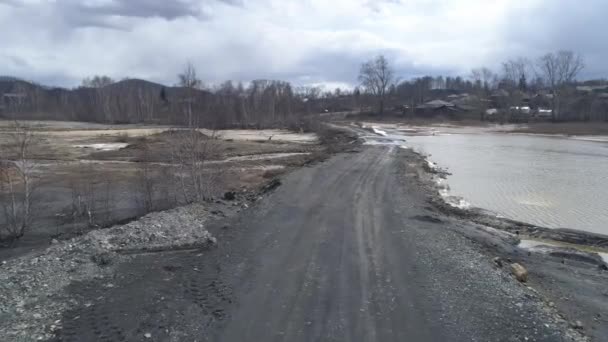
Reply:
x=32, y=287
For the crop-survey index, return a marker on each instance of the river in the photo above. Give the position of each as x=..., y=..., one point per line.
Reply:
x=553, y=182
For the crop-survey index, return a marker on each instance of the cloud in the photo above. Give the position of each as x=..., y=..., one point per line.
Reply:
x=304, y=41
x=170, y=10
x=572, y=25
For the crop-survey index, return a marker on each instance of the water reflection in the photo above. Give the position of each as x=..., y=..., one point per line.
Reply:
x=552, y=182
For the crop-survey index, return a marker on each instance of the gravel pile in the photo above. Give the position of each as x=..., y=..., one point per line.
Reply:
x=178, y=228
x=32, y=287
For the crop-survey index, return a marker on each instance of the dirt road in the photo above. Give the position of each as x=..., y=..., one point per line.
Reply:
x=346, y=250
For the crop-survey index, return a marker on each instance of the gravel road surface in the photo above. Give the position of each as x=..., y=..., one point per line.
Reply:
x=345, y=250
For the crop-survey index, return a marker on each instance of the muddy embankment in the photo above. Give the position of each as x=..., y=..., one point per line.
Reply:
x=563, y=266
x=94, y=176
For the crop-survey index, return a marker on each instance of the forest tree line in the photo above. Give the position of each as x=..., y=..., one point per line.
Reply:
x=264, y=103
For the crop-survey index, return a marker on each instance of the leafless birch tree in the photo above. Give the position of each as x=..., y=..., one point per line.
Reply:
x=17, y=183
x=558, y=70
x=189, y=80
x=376, y=76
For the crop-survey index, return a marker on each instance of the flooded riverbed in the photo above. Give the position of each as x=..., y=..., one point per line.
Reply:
x=547, y=181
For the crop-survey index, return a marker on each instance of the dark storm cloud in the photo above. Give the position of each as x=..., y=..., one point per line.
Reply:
x=302, y=41
x=168, y=9
x=344, y=66
x=233, y=2
x=569, y=25
x=139, y=8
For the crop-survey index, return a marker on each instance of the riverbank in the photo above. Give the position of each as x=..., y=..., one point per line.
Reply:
x=564, y=265
x=582, y=130
x=564, y=128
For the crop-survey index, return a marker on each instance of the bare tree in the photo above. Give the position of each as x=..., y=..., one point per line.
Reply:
x=189, y=80
x=309, y=96
x=484, y=78
x=376, y=76
x=102, y=94
x=516, y=73
x=17, y=183
x=145, y=182
x=93, y=203
x=97, y=82
x=191, y=151
x=558, y=70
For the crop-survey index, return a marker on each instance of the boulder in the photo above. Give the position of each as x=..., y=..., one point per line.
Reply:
x=230, y=196
x=520, y=272
x=498, y=262
x=103, y=258
x=578, y=325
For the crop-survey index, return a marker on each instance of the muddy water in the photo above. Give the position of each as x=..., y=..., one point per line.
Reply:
x=552, y=182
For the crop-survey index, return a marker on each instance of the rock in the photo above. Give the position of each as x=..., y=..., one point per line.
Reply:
x=103, y=258
x=520, y=272
x=148, y=335
x=578, y=325
x=230, y=196
x=54, y=242
x=603, y=267
x=273, y=184
x=498, y=262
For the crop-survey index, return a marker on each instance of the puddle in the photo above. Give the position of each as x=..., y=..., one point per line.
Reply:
x=540, y=246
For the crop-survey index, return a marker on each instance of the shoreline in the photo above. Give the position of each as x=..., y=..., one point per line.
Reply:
x=482, y=216
x=567, y=274
x=439, y=184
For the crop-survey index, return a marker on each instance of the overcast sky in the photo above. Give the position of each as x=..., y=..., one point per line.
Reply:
x=58, y=42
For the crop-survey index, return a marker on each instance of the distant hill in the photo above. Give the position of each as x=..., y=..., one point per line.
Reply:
x=265, y=103
x=8, y=78
x=127, y=101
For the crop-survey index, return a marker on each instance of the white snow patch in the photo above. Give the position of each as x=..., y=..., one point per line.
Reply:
x=533, y=244
x=458, y=202
x=444, y=190
x=104, y=146
x=378, y=131
x=595, y=138
x=604, y=256
x=539, y=246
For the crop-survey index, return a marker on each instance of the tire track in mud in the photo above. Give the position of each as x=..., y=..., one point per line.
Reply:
x=162, y=295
